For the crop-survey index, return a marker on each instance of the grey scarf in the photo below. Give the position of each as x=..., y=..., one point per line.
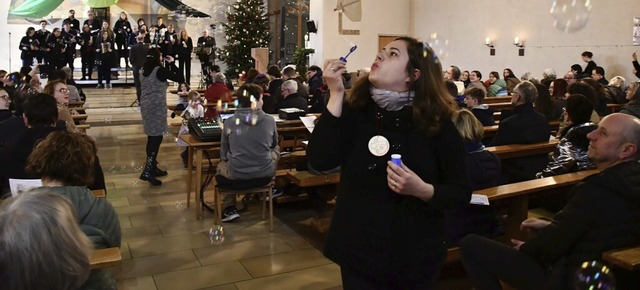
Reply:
x=390, y=100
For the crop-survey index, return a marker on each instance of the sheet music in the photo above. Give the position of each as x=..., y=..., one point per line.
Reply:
x=309, y=122
x=479, y=199
x=18, y=186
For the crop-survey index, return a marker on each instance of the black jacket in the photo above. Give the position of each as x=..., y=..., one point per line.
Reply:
x=524, y=126
x=631, y=108
x=375, y=230
x=293, y=101
x=570, y=154
x=603, y=213
x=484, y=114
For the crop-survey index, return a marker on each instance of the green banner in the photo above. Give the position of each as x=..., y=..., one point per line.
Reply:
x=36, y=8
x=100, y=3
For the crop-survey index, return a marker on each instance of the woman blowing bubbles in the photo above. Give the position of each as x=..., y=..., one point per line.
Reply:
x=387, y=229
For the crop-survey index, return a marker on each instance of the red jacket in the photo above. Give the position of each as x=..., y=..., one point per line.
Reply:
x=215, y=92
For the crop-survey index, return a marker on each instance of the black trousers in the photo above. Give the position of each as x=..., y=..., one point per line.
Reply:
x=136, y=81
x=185, y=68
x=488, y=262
x=88, y=60
x=104, y=73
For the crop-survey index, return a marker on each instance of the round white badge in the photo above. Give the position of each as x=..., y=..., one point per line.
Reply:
x=378, y=145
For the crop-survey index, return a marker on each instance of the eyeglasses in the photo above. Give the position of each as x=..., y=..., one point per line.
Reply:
x=63, y=90
x=568, y=78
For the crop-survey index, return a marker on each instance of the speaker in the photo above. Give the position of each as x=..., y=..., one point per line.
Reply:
x=311, y=26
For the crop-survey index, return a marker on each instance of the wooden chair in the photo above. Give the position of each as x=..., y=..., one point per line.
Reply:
x=264, y=191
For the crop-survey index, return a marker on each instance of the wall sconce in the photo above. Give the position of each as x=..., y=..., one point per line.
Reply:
x=489, y=43
x=520, y=44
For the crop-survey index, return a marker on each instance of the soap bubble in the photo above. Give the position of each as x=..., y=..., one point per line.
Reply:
x=594, y=275
x=216, y=235
x=570, y=15
x=179, y=205
x=107, y=119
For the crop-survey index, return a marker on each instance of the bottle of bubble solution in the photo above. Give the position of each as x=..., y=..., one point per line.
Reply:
x=396, y=159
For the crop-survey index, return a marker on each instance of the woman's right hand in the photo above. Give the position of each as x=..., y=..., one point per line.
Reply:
x=332, y=74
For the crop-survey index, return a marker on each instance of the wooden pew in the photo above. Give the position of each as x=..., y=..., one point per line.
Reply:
x=104, y=258
x=628, y=259
x=500, y=106
x=490, y=131
x=75, y=104
x=522, y=150
x=614, y=107
x=83, y=127
x=493, y=100
x=200, y=91
x=80, y=118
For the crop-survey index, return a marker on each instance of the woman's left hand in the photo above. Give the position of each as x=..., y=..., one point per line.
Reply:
x=406, y=182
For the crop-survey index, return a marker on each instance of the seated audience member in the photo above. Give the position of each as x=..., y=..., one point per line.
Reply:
x=636, y=65
x=41, y=244
x=291, y=99
x=314, y=75
x=464, y=78
x=497, y=87
x=548, y=75
x=601, y=214
x=252, y=73
x=40, y=114
x=546, y=105
x=475, y=78
x=5, y=102
x=524, y=126
x=65, y=162
x=601, y=100
x=60, y=92
x=276, y=81
x=75, y=94
x=589, y=93
x=473, y=98
x=598, y=75
x=570, y=154
x=249, y=147
x=570, y=77
x=633, y=96
x=511, y=79
x=269, y=104
x=614, y=91
x=558, y=89
x=453, y=91
x=194, y=109
x=183, y=98
x=484, y=172
x=527, y=76
x=453, y=74
x=218, y=91
x=576, y=69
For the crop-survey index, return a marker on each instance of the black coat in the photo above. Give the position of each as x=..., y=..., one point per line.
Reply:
x=524, y=126
x=602, y=214
x=484, y=115
x=293, y=101
x=375, y=230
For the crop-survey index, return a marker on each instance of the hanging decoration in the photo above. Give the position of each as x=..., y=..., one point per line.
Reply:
x=36, y=8
x=100, y=3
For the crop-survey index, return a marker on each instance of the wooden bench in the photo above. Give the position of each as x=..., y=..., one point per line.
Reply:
x=104, y=258
x=522, y=150
x=75, y=104
x=79, y=118
x=200, y=91
x=490, y=131
x=614, y=107
x=500, y=106
x=83, y=127
x=628, y=258
x=493, y=100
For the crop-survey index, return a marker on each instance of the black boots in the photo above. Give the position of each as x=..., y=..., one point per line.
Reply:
x=149, y=173
x=160, y=172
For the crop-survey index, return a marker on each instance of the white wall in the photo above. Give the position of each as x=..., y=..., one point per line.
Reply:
x=466, y=24
x=379, y=17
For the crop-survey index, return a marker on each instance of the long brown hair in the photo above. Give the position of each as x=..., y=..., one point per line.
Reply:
x=431, y=103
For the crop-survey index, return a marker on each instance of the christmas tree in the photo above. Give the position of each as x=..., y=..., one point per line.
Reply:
x=247, y=27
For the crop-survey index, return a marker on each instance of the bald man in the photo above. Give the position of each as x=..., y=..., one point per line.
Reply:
x=601, y=214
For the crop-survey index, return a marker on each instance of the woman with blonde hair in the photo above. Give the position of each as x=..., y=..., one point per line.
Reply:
x=184, y=49
x=387, y=230
x=41, y=244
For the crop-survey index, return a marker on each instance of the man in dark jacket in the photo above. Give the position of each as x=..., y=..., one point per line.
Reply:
x=291, y=98
x=137, y=56
x=524, y=126
x=600, y=215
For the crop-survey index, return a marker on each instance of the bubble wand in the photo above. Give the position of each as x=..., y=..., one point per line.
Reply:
x=351, y=50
